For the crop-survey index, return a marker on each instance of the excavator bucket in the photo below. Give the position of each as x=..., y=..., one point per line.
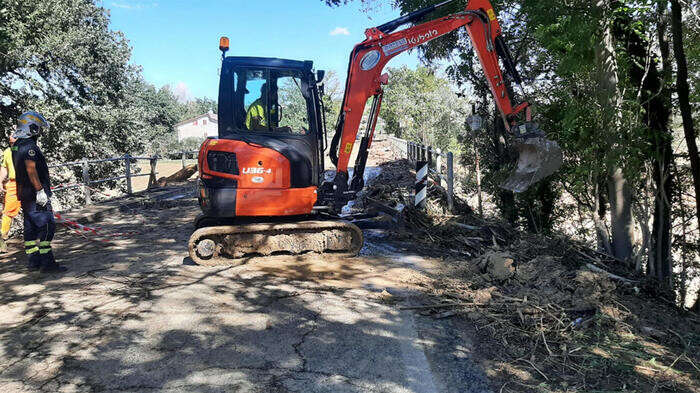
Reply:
x=538, y=158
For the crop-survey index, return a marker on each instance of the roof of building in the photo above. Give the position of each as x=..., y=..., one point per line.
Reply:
x=210, y=115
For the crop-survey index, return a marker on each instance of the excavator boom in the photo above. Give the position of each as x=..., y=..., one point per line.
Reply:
x=365, y=80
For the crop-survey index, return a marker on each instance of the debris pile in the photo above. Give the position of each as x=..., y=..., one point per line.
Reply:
x=394, y=188
x=553, y=315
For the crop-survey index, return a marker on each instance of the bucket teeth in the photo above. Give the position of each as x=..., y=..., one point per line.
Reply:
x=537, y=158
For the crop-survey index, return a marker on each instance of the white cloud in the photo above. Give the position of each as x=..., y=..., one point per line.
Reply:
x=182, y=92
x=340, y=31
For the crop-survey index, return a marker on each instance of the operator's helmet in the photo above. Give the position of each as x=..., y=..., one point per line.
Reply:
x=30, y=124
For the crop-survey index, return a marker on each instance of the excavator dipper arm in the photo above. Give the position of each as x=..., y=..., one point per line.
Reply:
x=368, y=58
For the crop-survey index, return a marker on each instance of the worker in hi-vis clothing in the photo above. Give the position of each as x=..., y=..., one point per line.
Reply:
x=34, y=192
x=8, y=185
x=257, y=117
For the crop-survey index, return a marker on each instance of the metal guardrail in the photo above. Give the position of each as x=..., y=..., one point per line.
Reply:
x=128, y=175
x=440, y=164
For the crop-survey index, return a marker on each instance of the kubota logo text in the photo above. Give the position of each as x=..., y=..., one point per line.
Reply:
x=423, y=37
x=256, y=171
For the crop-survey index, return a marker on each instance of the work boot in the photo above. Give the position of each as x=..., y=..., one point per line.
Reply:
x=54, y=269
x=49, y=265
x=34, y=262
x=33, y=257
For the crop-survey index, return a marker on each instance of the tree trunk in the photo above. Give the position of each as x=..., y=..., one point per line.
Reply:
x=643, y=216
x=478, y=180
x=611, y=98
x=655, y=98
x=661, y=233
x=683, y=98
x=685, y=263
x=620, y=215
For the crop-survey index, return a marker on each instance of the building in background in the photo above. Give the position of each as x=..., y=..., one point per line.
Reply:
x=200, y=127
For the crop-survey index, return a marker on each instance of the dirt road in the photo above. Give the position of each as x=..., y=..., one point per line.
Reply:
x=136, y=315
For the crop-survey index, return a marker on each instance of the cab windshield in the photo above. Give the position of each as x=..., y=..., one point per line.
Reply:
x=271, y=101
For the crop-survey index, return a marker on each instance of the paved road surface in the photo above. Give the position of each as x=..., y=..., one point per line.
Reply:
x=137, y=316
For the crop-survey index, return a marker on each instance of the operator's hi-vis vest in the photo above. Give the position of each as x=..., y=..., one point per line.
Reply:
x=256, y=109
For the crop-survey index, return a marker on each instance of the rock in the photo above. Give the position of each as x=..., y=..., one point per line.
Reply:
x=499, y=265
x=387, y=297
x=483, y=296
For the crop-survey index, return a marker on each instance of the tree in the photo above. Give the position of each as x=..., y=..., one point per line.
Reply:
x=294, y=109
x=600, y=75
x=71, y=67
x=419, y=105
x=683, y=90
x=197, y=107
x=333, y=91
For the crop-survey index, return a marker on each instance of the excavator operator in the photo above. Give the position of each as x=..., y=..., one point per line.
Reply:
x=257, y=117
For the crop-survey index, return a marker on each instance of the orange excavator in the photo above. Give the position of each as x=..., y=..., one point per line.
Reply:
x=262, y=187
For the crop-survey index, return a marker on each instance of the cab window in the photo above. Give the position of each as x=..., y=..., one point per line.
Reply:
x=273, y=101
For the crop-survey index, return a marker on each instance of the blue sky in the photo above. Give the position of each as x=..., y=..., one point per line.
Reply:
x=176, y=41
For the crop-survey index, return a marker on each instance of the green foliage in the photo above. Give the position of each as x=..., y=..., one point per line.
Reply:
x=294, y=110
x=332, y=98
x=421, y=106
x=691, y=41
x=59, y=57
x=71, y=67
x=196, y=107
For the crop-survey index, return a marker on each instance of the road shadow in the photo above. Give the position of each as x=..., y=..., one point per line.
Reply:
x=136, y=315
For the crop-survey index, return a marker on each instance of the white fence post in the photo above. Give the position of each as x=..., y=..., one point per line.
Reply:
x=184, y=154
x=438, y=167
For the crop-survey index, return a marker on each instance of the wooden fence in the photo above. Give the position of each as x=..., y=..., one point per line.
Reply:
x=86, y=182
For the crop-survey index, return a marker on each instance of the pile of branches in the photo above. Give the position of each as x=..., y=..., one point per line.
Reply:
x=559, y=319
x=555, y=314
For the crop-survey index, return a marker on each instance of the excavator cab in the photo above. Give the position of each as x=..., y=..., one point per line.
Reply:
x=267, y=160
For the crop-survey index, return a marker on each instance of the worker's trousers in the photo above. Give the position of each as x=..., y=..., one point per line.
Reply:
x=39, y=228
x=11, y=207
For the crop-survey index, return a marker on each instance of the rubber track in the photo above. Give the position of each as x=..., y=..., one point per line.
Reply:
x=269, y=229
